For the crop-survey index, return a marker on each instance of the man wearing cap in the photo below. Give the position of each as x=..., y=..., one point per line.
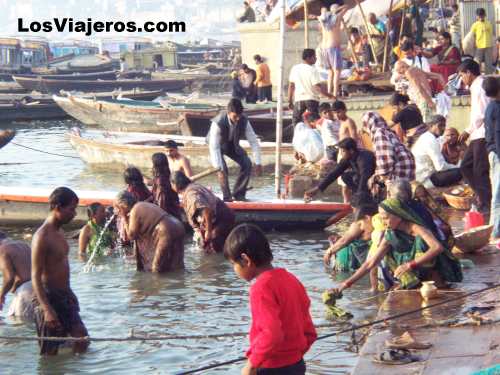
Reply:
x=226, y=131
x=177, y=161
x=432, y=170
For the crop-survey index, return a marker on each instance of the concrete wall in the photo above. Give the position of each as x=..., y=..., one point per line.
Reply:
x=264, y=39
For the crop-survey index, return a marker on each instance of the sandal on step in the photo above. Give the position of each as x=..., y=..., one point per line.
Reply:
x=395, y=357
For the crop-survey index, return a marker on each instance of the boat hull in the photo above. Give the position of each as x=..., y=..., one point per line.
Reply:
x=99, y=152
x=110, y=75
x=46, y=85
x=30, y=207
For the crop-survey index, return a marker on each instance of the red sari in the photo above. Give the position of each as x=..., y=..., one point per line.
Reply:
x=448, y=61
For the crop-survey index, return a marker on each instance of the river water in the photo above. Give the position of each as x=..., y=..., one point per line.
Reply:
x=205, y=298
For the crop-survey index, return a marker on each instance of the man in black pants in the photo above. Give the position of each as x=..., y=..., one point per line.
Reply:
x=224, y=137
x=305, y=86
x=475, y=166
x=356, y=167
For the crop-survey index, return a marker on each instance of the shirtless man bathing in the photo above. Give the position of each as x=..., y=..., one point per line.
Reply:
x=176, y=161
x=57, y=311
x=331, y=40
x=15, y=266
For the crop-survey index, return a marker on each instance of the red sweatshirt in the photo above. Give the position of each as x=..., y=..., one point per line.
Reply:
x=282, y=329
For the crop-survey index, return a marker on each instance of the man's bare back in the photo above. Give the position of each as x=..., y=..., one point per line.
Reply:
x=18, y=254
x=331, y=31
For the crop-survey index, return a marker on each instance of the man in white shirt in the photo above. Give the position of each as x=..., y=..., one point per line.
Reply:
x=431, y=168
x=224, y=137
x=305, y=87
x=475, y=165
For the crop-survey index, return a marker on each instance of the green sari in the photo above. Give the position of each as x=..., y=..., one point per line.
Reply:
x=405, y=248
x=352, y=256
x=105, y=243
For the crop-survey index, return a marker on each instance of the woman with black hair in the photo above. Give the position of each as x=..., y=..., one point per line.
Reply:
x=163, y=195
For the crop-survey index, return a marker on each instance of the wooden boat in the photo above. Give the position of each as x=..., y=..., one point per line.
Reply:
x=137, y=115
x=109, y=75
x=202, y=79
x=30, y=205
x=56, y=85
x=116, y=148
x=263, y=122
x=10, y=87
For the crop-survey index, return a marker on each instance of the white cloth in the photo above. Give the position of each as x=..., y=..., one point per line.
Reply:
x=443, y=104
x=22, y=304
x=214, y=142
x=428, y=158
x=478, y=103
x=305, y=77
x=308, y=142
x=329, y=132
x=123, y=66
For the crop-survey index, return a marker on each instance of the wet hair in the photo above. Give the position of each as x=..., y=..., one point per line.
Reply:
x=365, y=210
x=308, y=53
x=491, y=86
x=324, y=107
x=250, y=240
x=407, y=46
x=160, y=165
x=436, y=119
x=126, y=198
x=180, y=180
x=257, y=58
x=398, y=98
x=400, y=189
x=133, y=177
x=481, y=12
x=338, y=105
x=92, y=209
x=348, y=144
x=235, y=106
x=469, y=65
x=62, y=197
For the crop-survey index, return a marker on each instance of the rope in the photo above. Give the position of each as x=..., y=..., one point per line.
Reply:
x=357, y=327
x=45, y=152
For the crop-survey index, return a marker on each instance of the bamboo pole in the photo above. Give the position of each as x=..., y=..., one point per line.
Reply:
x=386, y=49
x=279, y=111
x=403, y=17
x=367, y=30
x=306, y=24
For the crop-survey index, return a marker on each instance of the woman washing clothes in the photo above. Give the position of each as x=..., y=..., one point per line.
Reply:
x=409, y=252
x=351, y=249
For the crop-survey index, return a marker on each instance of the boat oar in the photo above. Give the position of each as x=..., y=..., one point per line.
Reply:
x=205, y=173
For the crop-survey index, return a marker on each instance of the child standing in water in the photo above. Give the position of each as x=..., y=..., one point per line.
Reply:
x=93, y=230
x=282, y=330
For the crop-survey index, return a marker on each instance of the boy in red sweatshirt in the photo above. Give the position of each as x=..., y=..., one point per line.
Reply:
x=282, y=330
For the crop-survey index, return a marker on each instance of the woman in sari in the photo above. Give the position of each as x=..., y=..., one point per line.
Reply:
x=409, y=253
x=448, y=56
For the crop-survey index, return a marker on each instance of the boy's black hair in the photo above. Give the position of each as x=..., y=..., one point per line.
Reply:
x=62, y=197
x=348, y=144
x=398, y=98
x=92, y=209
x=354, y=30
x=339, y=105
x=446, y=35
x=310, y=116
x=171, y=144
x=491, y=86
x=323, y=107
x=480, y=12
x=235, y=106
x=369, y=209
x=308, y=53
x=180, y=180
x=407, y=46
x=250, y=240
x=469, y=65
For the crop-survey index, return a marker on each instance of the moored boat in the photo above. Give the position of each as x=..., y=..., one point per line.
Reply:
x=137, y=115
x=117, y=148
x=29, y=206
x=109, y=75
x=56, y=85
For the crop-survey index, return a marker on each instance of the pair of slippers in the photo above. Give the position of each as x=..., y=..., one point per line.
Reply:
x=398, y=352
